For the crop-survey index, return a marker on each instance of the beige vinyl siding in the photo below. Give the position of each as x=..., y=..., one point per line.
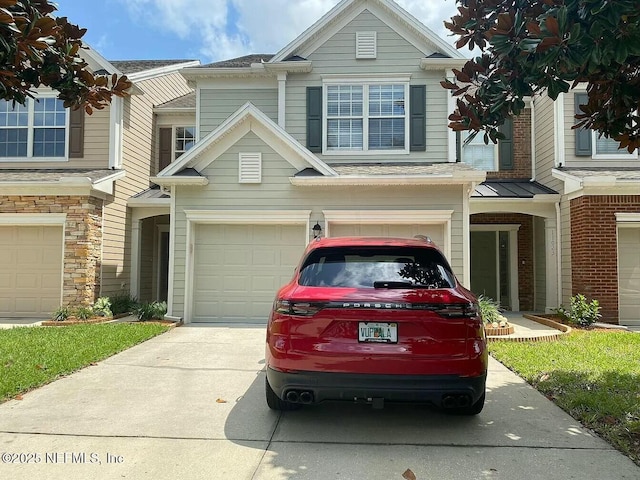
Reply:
x=571, y=160
x=539, y=267
x=138, y=157
x=395, y=56
x=216, y=105
x=276, y=193
x=545, y=141
x=96, y=146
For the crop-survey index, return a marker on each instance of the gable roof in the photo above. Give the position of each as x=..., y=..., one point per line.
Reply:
x=247, y=118
x=387, y=10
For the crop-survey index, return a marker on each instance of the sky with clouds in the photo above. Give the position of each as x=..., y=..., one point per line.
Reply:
x=211, y=30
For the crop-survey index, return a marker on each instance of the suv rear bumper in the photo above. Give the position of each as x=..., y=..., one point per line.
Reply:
x=434, y=389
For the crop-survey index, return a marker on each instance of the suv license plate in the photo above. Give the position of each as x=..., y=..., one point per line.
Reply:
x=378, y=332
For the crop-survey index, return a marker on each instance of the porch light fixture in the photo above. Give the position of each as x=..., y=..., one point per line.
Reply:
x=317, y=230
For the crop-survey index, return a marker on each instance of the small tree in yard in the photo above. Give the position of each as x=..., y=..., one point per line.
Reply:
x=37, y=49
x=549, y=45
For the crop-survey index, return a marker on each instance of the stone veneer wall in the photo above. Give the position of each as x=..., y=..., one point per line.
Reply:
x=82, y=240
x=594, y=248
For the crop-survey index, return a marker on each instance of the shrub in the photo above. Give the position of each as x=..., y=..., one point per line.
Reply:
x=123, y=303
x=83, y=312
x=61, y=314
x=489, y=309
x=102, y=307
x=150, y=311
x=580, y=311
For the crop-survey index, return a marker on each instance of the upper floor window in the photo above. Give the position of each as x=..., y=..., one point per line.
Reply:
x=588, y=143
x=174, y=142
x=491, y=157
x=184, y=139
x=479, y=155
x=37, y=129
x=366, y=117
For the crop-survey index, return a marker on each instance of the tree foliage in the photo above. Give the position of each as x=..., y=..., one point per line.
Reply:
x=37, y=49
x=531, y=46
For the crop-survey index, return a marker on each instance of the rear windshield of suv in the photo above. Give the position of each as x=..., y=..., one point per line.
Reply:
x=388, y=267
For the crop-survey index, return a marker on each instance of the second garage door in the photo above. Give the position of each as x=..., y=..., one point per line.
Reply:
x=435, y=232
x=31, y=272
x=239, y=268
x=629, y=275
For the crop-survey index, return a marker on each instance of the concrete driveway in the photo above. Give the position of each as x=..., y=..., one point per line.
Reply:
x=190, y=404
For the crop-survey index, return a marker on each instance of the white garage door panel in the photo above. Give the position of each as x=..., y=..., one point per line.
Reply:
x=31, y=277
x=629, y=275
x=239, y=268
x=436, y=232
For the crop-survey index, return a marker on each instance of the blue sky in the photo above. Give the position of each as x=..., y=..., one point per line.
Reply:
x=211, y=30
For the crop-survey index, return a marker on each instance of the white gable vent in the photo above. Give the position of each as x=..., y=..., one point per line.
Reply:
x=366, y=45
x=250, y=168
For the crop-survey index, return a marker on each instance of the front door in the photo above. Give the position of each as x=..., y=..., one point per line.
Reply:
x=490, y=265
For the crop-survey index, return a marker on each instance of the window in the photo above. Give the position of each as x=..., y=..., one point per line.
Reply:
x=366, y=117
x=477, y=154
x=37, y=129
x=607, y=146
x=185, y=138
x=376, y=267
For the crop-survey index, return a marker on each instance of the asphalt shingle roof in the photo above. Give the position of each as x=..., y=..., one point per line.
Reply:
x=241, y=62
x=129, y=67
x=53, y=175
x=631, y=173
x=186, y=101
x=444, y=168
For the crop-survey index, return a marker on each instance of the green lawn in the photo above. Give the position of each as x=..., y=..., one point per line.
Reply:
x=593, y=375
x=33, y=356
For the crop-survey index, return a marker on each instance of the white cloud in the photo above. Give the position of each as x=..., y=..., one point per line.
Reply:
x=224, y=29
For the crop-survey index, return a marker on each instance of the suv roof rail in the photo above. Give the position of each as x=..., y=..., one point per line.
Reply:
x=423, y=238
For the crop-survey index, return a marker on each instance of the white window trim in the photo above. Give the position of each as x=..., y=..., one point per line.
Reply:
x=631, y=220
x=624, y=154
x=365, y=81
x=30, y=126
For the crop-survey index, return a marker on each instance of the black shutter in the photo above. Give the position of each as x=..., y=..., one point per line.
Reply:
x=505, y=145
x=314, y=119
x=76, y=133
x=418, y=118
x=165, y=150
x=583, y=135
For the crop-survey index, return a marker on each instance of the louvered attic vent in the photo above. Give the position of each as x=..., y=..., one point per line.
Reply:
x=250, y=168
x=366, y=45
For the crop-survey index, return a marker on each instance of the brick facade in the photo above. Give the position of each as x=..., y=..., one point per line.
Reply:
x=82, y=240
x=521, y=149
x=525, y=250
x=594, y=250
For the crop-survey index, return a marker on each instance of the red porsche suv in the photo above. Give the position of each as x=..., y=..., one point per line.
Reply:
x=375, y=320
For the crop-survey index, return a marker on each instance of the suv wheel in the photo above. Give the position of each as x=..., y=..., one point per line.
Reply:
x=274, y=402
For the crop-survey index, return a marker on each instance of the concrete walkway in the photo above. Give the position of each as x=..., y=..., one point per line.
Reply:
x=190, y=404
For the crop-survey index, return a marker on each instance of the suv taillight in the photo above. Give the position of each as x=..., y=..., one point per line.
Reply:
x=301, y=309
x=458, y=310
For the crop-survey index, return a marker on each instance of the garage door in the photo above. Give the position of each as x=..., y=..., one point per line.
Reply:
x=31, y=273
x=629, y=275
x=436, y=232
x=239, y=268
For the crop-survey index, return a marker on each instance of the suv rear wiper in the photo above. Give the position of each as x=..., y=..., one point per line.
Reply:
x=393, y=284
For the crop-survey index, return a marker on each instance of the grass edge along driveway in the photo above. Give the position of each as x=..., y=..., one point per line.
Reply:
x=34, y=356
x=592, y=375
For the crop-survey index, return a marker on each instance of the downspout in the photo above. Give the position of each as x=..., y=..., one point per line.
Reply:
x=533, y=140
x=559, y=253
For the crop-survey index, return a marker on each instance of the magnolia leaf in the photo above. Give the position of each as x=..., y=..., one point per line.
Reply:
x=408, y=475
